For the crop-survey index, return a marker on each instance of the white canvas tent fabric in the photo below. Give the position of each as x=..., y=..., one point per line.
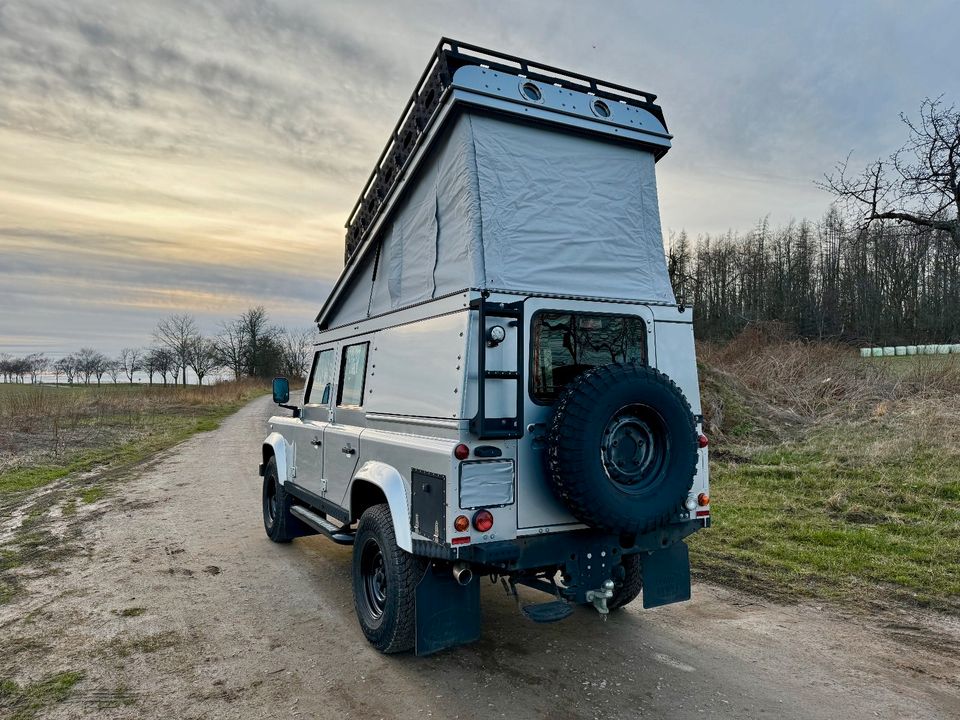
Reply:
x=507, y=206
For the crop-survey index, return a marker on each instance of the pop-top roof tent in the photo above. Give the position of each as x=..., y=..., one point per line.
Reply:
x=505, y=174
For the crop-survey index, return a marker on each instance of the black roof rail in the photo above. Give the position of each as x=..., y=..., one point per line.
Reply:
x=420, y=112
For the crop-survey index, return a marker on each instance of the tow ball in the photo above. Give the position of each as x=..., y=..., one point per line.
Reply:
x=600, y=597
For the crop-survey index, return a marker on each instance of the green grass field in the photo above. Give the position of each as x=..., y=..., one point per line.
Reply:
x=834, y=477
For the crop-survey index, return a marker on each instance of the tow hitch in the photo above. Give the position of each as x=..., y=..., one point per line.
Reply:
x=600, y=597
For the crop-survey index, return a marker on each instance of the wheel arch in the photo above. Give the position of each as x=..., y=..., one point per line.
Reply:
x=275, y=445
x=377, y=482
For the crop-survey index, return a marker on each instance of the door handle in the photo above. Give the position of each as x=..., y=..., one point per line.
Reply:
x=347, y=450
x=316, y=442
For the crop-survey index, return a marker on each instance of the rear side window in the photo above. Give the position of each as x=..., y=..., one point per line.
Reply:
x=318, y=390
x=564, y=345
x=353, y=373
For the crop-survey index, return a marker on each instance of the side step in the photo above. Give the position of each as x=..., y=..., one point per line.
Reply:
x=341, y=536
x=548, y=612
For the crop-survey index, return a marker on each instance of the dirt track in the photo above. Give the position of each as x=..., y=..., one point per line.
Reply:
x=233, y=626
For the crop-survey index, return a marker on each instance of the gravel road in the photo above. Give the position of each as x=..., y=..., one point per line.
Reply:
x=179, y=607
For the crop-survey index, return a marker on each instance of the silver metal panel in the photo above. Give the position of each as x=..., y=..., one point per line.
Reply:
x=486, y=483
x=417, y=368
x=675, y=356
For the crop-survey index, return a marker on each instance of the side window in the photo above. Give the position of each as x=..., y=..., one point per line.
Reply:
x=318, y=389
x=353, y=373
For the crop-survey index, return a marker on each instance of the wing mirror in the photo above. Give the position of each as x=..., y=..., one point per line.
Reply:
x=281, y=390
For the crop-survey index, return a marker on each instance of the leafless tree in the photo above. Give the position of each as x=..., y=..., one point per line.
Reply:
x=37, y=365
x=66, y=365
x=113, y=369
x=231, y=347
x=919, y=184
x=202, y=357
x=161, y=361
x=177, y=333
x=131, y=360
x=296, y=352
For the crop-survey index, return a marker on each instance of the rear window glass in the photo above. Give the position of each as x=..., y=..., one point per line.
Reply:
x=567, y=344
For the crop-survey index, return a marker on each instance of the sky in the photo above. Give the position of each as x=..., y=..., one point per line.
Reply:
x=201, y=156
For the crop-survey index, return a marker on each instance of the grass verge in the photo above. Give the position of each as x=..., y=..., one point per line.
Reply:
x=832, y=477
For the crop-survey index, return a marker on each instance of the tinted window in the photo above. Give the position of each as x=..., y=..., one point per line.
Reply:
x=567, y=344
x=352, y=374
x=318, y=390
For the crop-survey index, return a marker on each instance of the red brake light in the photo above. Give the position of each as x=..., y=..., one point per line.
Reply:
x=461, y=452
x=702, y=441
x=483, y=520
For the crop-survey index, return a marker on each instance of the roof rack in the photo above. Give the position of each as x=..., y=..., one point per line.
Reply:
x=421, y=110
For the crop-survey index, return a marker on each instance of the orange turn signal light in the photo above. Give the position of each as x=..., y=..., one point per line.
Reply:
x=461, y=523
x=703, y=499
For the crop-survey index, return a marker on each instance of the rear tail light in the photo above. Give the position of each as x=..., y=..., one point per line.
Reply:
x=461, y=452
x=462, y=523
x=483, y=520
x=703, y=499
x=702, y=441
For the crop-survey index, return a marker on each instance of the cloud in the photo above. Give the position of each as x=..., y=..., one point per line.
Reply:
x=205, y=153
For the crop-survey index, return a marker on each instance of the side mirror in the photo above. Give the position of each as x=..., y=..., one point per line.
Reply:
x=281, y=390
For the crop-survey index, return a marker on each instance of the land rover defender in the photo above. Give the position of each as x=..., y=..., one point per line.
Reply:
x=504, y=385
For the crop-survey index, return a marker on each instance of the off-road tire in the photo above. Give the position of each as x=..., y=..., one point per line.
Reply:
x=394, y=629
x=626, y=591
x=279, y=524
x=585, y=471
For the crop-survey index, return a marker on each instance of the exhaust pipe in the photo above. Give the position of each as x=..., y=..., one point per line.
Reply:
x=462, y=573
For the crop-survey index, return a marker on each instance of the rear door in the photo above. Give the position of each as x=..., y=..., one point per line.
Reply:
x=565, y=338
x=341, y=436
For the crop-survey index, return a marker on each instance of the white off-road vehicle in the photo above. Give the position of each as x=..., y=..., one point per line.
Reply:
x=504, y=384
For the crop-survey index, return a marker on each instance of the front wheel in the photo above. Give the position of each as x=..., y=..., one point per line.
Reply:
x=280, y=525
x=384, y=583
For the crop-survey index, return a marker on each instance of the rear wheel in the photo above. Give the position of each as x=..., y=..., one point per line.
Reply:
x=384, y=583
x=628, y=588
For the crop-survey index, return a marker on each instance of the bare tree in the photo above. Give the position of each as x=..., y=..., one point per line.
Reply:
x=296, y=352
x=37, y=365
x=113, y=370
x=176, y=333
x=231, y=347
x=919, y=184
x=88, y=360
x=131, y=360
x=202, y=357
x=67, y=366
x=163, y=362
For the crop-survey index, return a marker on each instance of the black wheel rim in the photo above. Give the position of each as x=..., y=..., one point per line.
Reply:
x=633, y=448
x=373, y=572
x=270, y=501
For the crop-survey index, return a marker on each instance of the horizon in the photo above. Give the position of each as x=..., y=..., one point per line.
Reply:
x=203, y=158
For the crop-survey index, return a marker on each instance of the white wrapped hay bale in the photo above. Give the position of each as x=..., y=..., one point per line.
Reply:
x=876, y=352
x=864, y=352
x=889, y=352
x=900, y=350
x=911, y=349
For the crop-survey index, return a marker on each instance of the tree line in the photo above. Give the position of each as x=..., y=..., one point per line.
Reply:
x=248, y=346
x=833, y=279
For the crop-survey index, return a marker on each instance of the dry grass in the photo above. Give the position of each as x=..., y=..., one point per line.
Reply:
x=48, y=431
x=833, y=475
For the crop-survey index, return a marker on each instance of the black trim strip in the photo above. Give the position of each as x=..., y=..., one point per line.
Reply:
x=315, y=501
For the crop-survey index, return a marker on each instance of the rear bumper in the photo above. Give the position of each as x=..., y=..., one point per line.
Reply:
x=556, y=549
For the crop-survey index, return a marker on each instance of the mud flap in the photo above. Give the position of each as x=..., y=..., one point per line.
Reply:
x=448, y=614
x=666, y=576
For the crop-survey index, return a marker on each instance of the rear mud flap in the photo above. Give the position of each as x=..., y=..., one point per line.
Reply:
x=448, y=614
x=666, y=576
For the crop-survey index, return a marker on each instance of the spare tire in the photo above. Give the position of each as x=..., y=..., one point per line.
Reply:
x=622, y=448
